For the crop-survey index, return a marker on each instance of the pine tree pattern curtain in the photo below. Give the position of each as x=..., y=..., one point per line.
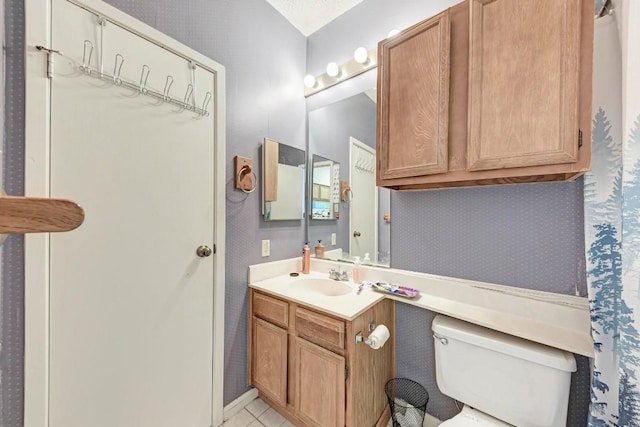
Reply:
x=612, y=219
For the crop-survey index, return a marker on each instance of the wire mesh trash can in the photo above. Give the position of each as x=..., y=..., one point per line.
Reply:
x=407, y=401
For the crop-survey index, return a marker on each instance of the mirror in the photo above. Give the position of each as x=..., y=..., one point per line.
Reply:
x=283, y=181
x=345, y=131
x=325, y=176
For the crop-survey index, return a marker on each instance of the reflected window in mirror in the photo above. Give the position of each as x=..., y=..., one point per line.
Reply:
x=325, y=177
x=284, y=181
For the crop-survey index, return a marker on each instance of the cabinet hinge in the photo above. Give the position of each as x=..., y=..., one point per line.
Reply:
x=214, y=249
x=346, y=372
x=579, y=138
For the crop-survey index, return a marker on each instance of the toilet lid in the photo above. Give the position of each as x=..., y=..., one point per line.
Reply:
x=469, y=417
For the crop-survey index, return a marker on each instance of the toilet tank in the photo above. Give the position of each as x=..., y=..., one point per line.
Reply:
x=517, y=381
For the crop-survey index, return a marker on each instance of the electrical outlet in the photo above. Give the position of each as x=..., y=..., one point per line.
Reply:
x=266, y=248
x=333, y=239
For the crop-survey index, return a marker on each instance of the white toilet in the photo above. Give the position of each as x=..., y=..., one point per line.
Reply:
x=501, y=379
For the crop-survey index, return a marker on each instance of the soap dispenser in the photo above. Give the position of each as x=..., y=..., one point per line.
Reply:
x=366, y=260
x=306, y=258
x=319, y=249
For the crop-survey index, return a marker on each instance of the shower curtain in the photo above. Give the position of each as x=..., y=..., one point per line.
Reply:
x=612, y=219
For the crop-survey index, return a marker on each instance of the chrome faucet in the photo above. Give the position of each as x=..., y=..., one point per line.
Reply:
x=338, y=275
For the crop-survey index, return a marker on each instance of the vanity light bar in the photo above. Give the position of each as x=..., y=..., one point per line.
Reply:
x=349, y=69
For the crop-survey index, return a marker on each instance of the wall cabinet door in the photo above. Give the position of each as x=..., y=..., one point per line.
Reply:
x=320, y=385
x=519, y=86
x=523, y=83
x=270, y=360
x=413, y=91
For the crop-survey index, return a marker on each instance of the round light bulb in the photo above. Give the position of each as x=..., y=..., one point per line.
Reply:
x=332, y=69
x=309, y=81
x=361, y=55
x=393, y=33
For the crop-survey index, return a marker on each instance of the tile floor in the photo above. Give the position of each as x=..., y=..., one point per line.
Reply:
x=257, y=414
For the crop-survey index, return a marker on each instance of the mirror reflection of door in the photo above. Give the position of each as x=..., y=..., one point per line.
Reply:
x=363, y=229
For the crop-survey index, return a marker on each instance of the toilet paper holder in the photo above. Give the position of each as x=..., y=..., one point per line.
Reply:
x=360, y=338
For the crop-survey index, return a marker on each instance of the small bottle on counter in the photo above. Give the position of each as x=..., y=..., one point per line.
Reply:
x=306, y=258
x=366, y=260
x=356, y=269
x=319, y=249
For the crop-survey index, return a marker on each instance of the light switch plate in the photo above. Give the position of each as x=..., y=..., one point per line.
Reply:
x=266, y=248
x=333, y=239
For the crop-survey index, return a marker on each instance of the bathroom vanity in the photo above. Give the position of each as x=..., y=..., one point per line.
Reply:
x=303, y=355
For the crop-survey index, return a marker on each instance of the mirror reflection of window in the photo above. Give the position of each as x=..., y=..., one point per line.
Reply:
x=322, y=188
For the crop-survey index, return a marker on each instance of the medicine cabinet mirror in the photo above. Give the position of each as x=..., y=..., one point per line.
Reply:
x=345, y=131
x=284, y=181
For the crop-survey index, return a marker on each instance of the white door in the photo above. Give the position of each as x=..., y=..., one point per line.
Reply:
x=363, y=209
x=131, y=304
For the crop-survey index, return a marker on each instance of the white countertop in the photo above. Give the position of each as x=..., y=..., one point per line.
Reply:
x=560, y=321
x=348, y=306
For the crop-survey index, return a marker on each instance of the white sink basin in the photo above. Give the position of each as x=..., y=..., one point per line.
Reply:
x=326, y=287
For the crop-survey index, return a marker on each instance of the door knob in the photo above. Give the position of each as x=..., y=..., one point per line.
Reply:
x=356, y=234
x=203, y=251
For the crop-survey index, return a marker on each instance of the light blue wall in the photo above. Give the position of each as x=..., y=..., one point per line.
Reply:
x=12, y=279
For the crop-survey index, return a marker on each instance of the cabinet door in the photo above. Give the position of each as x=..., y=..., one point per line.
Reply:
x=413, y=101
x=523, y=83
x=269, y=356
x=320, y=385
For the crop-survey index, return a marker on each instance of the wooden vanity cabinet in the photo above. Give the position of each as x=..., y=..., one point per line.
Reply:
x=270, y=369
x=309, y=367
x=518, y=102
x=320, y=377
x=269, y=339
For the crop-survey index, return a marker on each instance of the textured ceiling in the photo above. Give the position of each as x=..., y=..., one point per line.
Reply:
x=311, y=15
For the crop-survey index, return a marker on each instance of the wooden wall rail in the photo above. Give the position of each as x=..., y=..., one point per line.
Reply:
x=38, y=215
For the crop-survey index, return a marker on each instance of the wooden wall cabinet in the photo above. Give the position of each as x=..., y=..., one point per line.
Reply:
x=414, y=101
x=309, y=367
x=504, y=96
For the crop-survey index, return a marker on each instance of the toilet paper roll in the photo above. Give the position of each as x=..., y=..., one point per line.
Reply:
x=378, y=337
